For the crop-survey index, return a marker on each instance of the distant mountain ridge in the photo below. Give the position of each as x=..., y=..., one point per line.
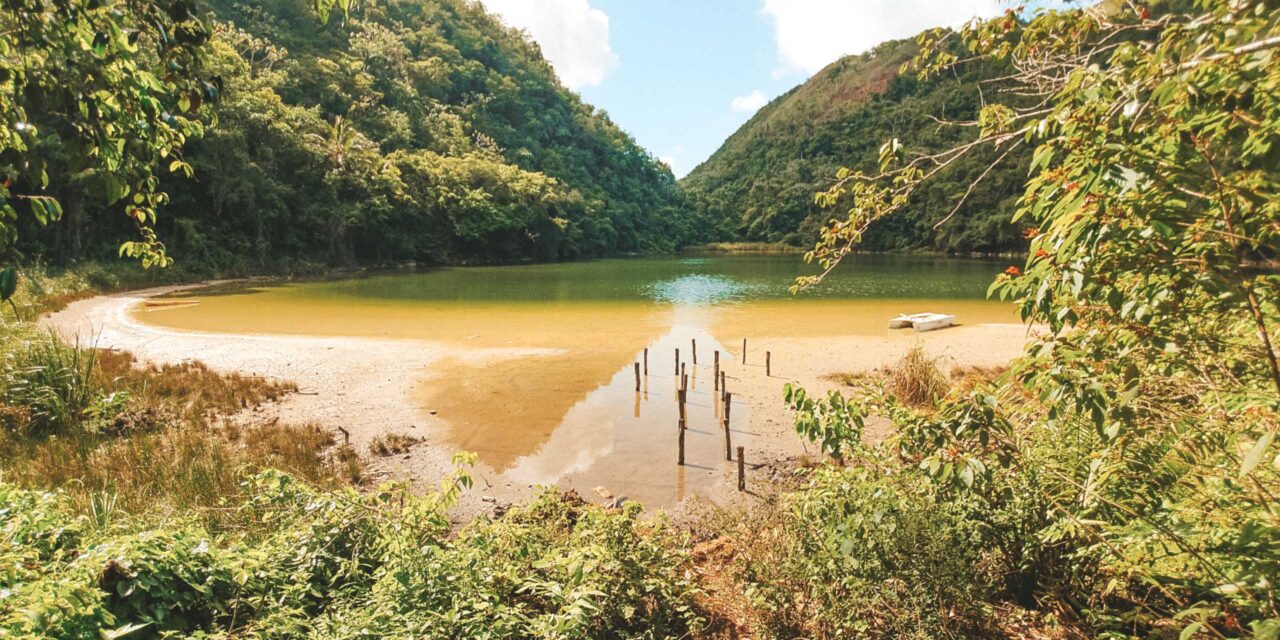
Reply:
x=760, y=184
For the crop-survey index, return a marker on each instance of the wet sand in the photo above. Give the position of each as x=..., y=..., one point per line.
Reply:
x=538, y=392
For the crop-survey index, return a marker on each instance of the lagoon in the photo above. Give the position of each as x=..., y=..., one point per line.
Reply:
x=540, y=381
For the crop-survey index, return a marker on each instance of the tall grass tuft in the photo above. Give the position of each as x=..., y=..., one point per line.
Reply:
x=916, y=379
x=52, y=381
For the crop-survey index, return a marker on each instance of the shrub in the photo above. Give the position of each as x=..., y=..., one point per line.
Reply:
x=858, y=554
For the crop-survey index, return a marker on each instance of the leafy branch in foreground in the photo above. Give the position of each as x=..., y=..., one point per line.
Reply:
x=1142, y=420
x=99, y=97
x=102, y=94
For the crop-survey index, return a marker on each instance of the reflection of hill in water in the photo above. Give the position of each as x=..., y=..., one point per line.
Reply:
x=697, y=290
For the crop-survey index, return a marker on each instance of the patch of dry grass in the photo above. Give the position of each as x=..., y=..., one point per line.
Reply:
x=966, y=379
x=391, y=444
x=854, y=380
x=191, y=391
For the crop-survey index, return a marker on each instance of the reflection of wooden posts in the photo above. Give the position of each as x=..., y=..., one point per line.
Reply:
x=695, y=351
x=680, y=461
x=742, y=470
x=637, y=376
x=677, y=362
x=768, y=355
x=715, y=376
x=646, y=361
x=744, y=351
x=728, y=441
x=728, y=438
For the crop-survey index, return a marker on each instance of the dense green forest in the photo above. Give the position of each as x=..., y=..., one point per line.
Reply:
x=759, y=185
x=409, y=130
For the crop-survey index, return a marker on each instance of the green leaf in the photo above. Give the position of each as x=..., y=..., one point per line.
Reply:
x=121, y=632
x=8, y=283
x=116, y=188
x=1191, y=630
x=1255, y=454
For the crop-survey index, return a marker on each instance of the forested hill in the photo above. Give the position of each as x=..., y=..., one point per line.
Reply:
x=760, y=184
x=412, y=130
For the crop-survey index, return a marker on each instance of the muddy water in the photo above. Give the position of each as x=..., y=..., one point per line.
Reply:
x=542, y=383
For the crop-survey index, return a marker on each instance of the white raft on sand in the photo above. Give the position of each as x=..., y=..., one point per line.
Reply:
x=922, y=321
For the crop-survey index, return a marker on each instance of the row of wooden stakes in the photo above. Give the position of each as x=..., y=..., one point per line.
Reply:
x=726, y=400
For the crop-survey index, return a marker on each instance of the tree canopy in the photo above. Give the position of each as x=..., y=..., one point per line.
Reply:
x=422, y=131
x=98, y=97
x=1128, y=461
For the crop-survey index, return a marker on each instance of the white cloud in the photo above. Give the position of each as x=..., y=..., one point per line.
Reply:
x=749, y=103
x=676, y=160
x=574, y=36
x=810, y=34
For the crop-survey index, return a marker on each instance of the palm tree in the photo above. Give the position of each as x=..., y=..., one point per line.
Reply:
x=338, y=142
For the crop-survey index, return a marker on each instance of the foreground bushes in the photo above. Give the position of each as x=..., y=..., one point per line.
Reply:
x=339, y=564
x=856, y=555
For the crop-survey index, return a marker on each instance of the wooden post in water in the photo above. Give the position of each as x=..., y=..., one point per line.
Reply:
x=744, y=351
x=681, y=459
x=742, y=471
x=677, y=362
x=715, y=376
x=768, y=355
x=646, y=361
x=728, y=404
x=684, y=375
x=681, y=397
x=637, y=376
x=724, y=386
x=695, y=351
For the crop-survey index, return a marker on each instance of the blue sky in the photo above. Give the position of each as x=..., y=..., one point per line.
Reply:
x=682, y=75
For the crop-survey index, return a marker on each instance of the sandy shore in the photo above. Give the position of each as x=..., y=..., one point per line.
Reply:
x=374, y=386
